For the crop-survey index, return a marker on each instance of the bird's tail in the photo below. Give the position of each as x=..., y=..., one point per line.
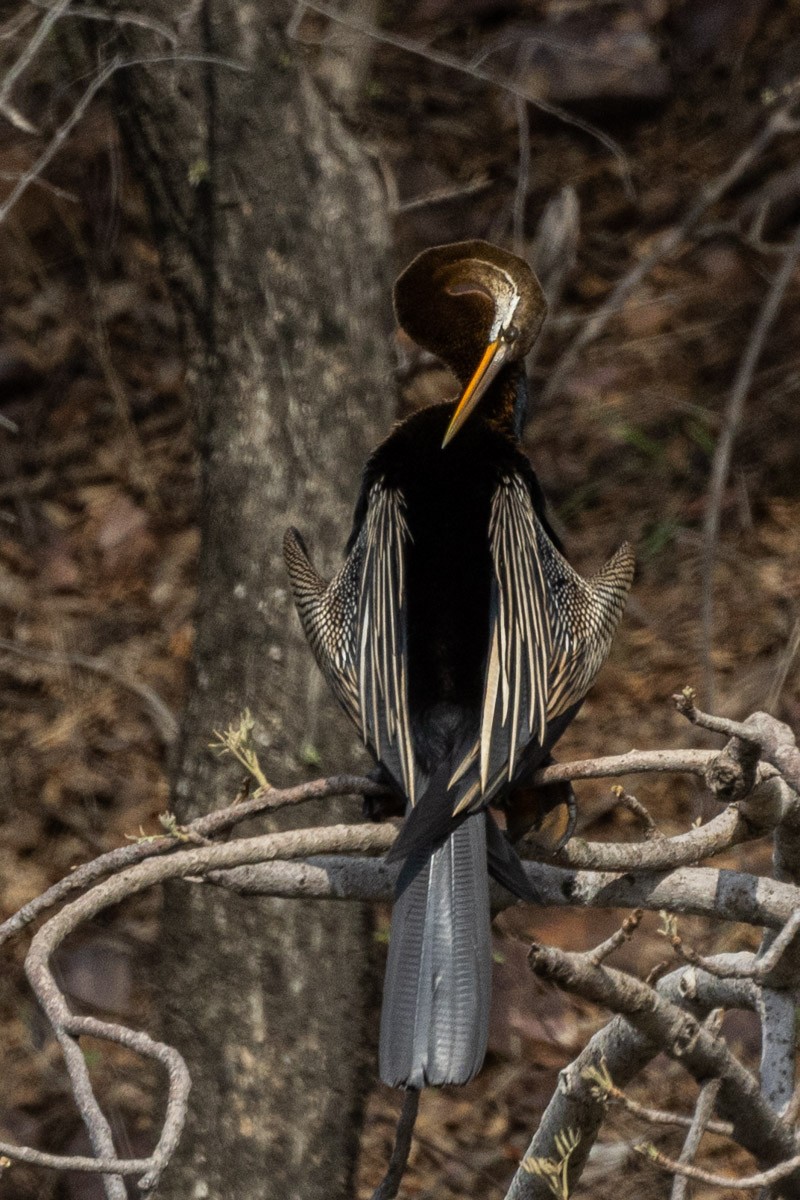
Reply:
x=436, y=996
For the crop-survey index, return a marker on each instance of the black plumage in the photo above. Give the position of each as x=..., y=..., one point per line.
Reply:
x=459, y=641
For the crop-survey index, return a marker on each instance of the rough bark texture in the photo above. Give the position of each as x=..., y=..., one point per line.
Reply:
x=270, y=225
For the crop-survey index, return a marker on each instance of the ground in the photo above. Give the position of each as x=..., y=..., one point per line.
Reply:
x=98, y=537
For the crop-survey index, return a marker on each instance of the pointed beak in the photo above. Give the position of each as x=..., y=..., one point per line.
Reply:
x=493, y=358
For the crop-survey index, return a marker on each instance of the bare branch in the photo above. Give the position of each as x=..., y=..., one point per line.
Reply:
x=756, y=1126
x=68, y=1027
x=693, y=762
x=205, y=827
x=774, y=739
x=692, y=891
x=777, y=1011
x=634, y=762
x=330, y=862
x=725, y=830
x=621, y=1051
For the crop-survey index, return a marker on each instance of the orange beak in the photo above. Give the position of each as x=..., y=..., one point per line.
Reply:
x=493, y=358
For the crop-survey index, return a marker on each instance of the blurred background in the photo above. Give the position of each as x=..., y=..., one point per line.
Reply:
x=98, y=481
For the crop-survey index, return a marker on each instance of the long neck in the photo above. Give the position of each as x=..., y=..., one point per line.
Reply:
x=505, y=405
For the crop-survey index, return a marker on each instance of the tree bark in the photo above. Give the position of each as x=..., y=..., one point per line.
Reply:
x=270, y=225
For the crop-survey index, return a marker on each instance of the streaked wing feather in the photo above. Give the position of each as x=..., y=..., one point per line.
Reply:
x=550, y=633
x=514, y=709
x=328, y=613
x=584, y=615
x=381, y=668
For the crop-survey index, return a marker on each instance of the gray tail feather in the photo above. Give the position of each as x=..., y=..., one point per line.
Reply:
x=436, y=995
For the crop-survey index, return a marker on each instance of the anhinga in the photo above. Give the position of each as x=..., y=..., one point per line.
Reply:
x=460, y=642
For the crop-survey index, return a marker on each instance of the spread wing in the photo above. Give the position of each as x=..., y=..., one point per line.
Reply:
x=356, y=627
x=550, y=632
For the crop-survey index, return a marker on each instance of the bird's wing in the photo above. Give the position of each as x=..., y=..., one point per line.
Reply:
x=356, y=627
x=550, y=632
x=328, y=613
x=382, y=665
x=584, y=615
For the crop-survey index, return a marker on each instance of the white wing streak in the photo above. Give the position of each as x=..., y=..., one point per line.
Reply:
x=514, y=710
x=382, y=675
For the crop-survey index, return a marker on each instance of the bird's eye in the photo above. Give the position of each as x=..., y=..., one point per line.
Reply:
x=511, y=334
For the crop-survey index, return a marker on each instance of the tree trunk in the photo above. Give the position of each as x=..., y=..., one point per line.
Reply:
x=270, y=226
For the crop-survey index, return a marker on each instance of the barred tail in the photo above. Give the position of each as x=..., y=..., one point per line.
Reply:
x=435, y=1018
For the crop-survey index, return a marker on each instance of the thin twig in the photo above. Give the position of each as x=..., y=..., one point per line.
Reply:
x=389, y=1186
x=625, y=800
x=99, y=80
x=523, y=164
x=748, y=1183
x=660, y=1116
x=720, y=464
x=163, y=718
x=59, y=137
x=452, y=63
x=759, y=968
x=23, y=61
x=75, y=1162
x=624, y=934
x=703, y=1112
x=666, y=245
x=118, y=18
x=783, y=669
x=440, y=196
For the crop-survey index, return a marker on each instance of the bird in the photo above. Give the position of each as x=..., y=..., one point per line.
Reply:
x=459, y=641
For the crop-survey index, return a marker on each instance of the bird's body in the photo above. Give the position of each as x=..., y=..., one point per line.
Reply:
x=460, y=642
x=448, y=563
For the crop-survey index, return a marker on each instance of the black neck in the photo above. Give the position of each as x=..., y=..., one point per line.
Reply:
x=505, y=405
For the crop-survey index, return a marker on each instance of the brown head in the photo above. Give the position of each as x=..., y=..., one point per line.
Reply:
x=476, y=307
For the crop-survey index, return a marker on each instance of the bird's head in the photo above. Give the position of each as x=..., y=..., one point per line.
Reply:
x=476, y=307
